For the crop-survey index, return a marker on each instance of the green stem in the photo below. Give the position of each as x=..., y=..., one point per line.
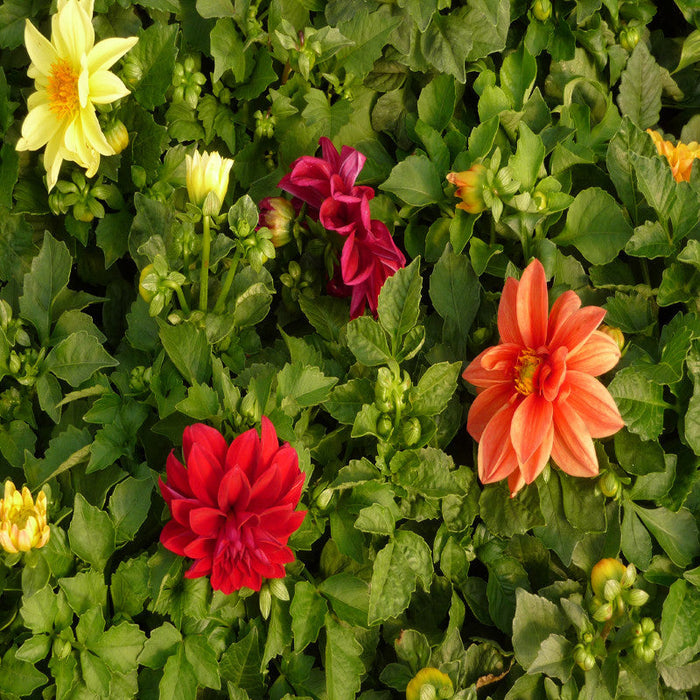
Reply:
x=228, y=281
x=183, y=302
x=645, y=272
x=204, y=275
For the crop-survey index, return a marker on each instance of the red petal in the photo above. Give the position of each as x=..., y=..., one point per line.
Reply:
x=209, y=440
x=562, y=308
x=485, y=407
x=281, y=522
x=204, y=474
x=181, y=508
x=596, y=356
x=177, y=475
x=244, y=453
x=507, y=316
x=234, y=490
x=269, y=444
x=201, y=567
x=573, y=449
x=553, y=373
x=497, y=457
x=531, y=423
x=200, y=548
x=175, y=537
x=577, y=329
x=265, y=490
x=532, y=305
x=206, y=521
x=593, y=403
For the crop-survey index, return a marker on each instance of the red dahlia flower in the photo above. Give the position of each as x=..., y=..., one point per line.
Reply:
x=315, y=179
x=538, y=397
x=233, y=506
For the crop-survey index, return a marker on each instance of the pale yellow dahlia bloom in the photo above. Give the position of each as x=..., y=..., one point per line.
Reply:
x=207, y=172
x=22, y=521
x=71, y=76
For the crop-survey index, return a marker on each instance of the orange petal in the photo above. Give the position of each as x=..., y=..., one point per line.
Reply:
x=532, y=305
x=497, y=457
x=531, y=469
x=592, y=401
x=572, y=448
x=578, y=328
x=562, y=308
x=507, y=316
x=532, y=421
x=596, y=356
x=515, y=482
x=486, y=405
x=498, y=368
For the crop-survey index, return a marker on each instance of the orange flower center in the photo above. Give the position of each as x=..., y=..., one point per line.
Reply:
x=526, y=367
x=62, y=89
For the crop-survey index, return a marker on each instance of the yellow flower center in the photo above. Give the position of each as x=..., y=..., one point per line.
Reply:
x=62, y=89
x=526, y=366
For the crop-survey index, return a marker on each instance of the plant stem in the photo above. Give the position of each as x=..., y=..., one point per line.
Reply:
x=183, y=302
x=228, y=281
x=204, y=275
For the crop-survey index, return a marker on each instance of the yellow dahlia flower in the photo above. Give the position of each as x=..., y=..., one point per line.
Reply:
x=207, y=173
x=71, y=76
x=22, y=522
x=680, y=157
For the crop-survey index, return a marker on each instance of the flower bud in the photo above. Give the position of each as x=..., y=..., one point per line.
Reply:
x=583, y=657
x=470, y=184
x=603, y=571
x=147, y=294
x=117, y=136
x=647, y=625
x=603, y=612
x=428, y=684
x=265, y=601
x=611, y=589
x=278, y=589
x=629, y=577
x=206, y=173
x=637, y=597
x=277, y=214
x=609, y=484
x=23, y=523
x=629, y=38
x=654, y=641
x=542, y=10
x=61, y=648
x=384, y=425
x=615, y=334
x=323, y=500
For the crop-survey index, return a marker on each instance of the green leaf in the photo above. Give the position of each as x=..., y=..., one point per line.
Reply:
x=78, y=357
x=554, y=658
x=526, y=163
x=179, y=681
x=299, y=387
x=596, y=226
x=240, y=663
x=508, y=516
x=327, y=118
x=415, y=181
x=506, y=577
x=112, y=234
x=518, y=74
x=202, y=658
x=641, y=403
x=393, y=582
x=637, y=456
x=39, y=610
x=308, y=610
x=85, y=590
x=584, y=505
x=95, y=673
x=119, y=646
x=188, y=348
x=676, y=532
x=342, y=661
x=488, y=22
x=635, y=541
x=153, y=61
x=637, y=679
x=348, y=596
x=368, y=342
x=129, y=505
x=436, y=102
x=428, y=472
x=399, y=302
x=680, y=621
x=19, y=678
x=435, y=388
x=91, y=533
x=557, y=534
x=679, y=284
x=129, y=586
x=162, y=643
x=202, y=403
x=44, y=282
x=376, y=519
x=227, y=50
x=649, y=240
x=346, y=400
x=446, y=41
x=640, y=88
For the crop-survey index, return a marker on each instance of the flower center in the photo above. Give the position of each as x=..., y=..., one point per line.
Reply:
x=526, y=367
x=62, y=89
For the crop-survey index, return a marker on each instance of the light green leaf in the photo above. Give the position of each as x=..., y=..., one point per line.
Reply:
x=368, y=342
x=227, y=50
x=641, y=403
x=91, y=533
x=680, y=622
x=399, y=302
x=342, y=662
x=308, y=610
x=640, y=88
x=78, y=357
x=416, y=181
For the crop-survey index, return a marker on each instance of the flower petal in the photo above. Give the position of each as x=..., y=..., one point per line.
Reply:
x=38, y=128
x=105, y=87
x=206, y=522
x=532, y=305
x=72, y=33
x=494, y=365
x=204, y=475
x=531, y=469
x=594, y=404
x=486, y=405
x=562, y=309
x=244, y=453
x=572, y=449
x=596, y=356
x=531, y=423
x=175, y=537
x=507, y=313
x=108, y=51
x=577, y=329
x=209, y=439
x=39, y=48
x=234, y=490
x=497, y=457
x=93, y=132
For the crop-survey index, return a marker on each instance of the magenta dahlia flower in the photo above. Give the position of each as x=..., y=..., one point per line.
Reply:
x=233, y=507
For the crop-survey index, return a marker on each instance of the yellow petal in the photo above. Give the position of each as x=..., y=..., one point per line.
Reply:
x=38, y=127
x=105, y=87
x=53, y=159
x=83, y=83
x=39, y=48
x=107, y=52
x=93, y=132
x=73, y=34
x=37, y=98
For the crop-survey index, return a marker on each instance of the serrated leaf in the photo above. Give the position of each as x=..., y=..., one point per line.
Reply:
x=227, y=50
x=640, y=88
x=399, y=302
x=368, y=342
x=416, y=181
x=342, y=662
x=308, y=610
x=154, y=57
x=641, y=403
x=299, y=387
x=91, y=533
x=78, y=357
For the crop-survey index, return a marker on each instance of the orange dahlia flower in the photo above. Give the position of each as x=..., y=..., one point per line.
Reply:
x=537, y=394
x=680, y=157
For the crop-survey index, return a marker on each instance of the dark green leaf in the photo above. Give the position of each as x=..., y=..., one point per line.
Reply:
x=640, y=88
x=641, y=403
x=416, y=181
x=153, y=61
x=342, y=662
x=188, y=348
x=78, y=357
x=91, y=533
x=308, y=611
x=680, y=621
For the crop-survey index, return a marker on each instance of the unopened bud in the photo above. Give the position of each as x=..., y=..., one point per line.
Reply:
x=265, y=601
x=615, y=333
x=542, y=10
x=611, y=589
x=637, y=597
x=603, y=612
x=384, y=425
x=609, y=484
x=278, y=589
x=117, y=136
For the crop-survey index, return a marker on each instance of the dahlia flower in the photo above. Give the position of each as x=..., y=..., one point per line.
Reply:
x=538, y=396
x=206, y=173
x=277, y=214
x=22, y=520
x=71, y=76
x=233, y=506
x=680, y=157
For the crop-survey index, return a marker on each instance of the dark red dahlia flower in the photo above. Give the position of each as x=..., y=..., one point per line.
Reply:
x=233, y=506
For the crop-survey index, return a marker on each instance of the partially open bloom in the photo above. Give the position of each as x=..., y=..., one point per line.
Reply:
x=71, y=75
x=207, y=172
x=470, y=185
x=439, y=685
x=680, y=157
x=313, y=179
x=22, y=521
x=538, y=396
x=277, y=214
x=233, y=506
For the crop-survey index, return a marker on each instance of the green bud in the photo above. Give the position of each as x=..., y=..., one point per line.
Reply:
x=61, y=648
x=611, y=590
x=647, y=625
x=384, y=425
x=138, y=176
x=603, y=613
x=629, y=38
x=323, y=500
x=542, y=10
x=654, y=641
x=15, y=363
x=609, y=484
x=427, y=692
x=629, y=576
x=278, y=589
x=637, y=597
x=265, y=601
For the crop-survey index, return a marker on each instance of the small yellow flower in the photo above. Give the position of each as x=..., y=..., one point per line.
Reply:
x=470, y=184
x=71, y=76
x=22, y=522
x=435, y=679
x=207, y=173
x=680, y=157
